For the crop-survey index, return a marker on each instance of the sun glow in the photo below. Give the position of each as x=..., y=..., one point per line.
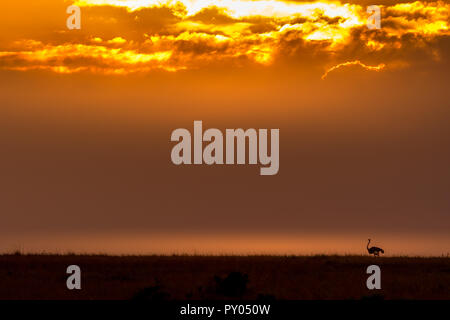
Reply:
x=195, y=33
x=235, y=8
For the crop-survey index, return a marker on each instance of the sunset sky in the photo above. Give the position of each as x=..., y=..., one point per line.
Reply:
x=86, y=117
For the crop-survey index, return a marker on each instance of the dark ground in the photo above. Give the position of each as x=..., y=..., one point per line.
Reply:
x=222, y=277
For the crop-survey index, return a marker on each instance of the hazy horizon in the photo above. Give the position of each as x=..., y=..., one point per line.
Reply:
x=238, y=244
x=86, y=118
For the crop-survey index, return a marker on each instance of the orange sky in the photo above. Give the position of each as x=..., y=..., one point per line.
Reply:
x=86, y=117
x=120, y=36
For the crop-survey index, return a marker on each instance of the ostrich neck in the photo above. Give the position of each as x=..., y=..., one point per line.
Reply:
x=368, y=244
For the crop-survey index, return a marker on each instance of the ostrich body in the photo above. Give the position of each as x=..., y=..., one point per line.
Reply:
x=374, y=250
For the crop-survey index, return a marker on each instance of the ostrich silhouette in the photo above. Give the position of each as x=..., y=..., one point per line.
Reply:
x=374, y=250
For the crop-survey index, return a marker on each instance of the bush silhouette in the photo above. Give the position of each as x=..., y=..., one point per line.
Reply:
x=234, y=285
x=153, y=293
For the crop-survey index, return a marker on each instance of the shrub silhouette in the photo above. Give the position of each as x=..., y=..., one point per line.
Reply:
x=153, y=293
x=234, y=285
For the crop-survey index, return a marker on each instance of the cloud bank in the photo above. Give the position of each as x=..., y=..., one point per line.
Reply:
x=136, y=36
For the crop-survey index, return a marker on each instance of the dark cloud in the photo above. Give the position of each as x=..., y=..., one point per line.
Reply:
x=213, y=15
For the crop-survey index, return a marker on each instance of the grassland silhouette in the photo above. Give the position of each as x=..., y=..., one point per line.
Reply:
x=186, y=277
